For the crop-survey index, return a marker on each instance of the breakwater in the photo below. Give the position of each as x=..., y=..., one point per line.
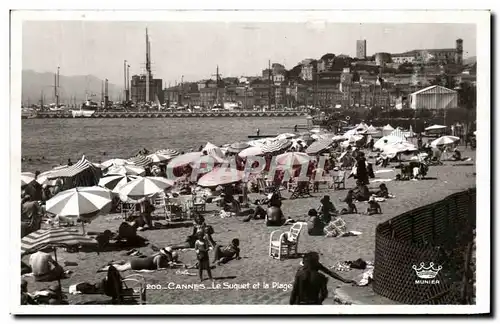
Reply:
x=208, y=114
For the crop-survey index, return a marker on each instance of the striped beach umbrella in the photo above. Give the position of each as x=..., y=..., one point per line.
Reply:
x=26, y=178
x=116, y=181
x=320, y=145
x=293, y=159
x=145, y=186
x=140, y=160
x=158, y=157
x=276, y=146
x=220, y=176
x=195, y=160
x=237, y=147
x=53, y=237
x=82, y=202
x=168, y=152
x=127, y=169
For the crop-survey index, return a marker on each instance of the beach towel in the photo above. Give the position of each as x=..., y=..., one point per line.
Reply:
x=381, y=180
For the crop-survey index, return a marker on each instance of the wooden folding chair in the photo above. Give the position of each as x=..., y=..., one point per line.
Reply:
x=338, y=180
x=175, y=209
x=336, y=227
x=302, y=190
x=159, y=202
x=133, y=289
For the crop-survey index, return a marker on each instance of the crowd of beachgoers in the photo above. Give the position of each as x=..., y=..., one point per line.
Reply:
x=179, y=185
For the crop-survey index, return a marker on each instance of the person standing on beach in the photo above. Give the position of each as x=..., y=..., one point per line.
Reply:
x=201, y=248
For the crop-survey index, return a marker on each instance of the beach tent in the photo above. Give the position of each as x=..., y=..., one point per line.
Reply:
x=387, y=129
x=81, y=174
x=372, y=130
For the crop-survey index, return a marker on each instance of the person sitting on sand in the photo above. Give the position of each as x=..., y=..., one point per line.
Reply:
x=201, y=249
x=383, y=191
x=327, y=210
x=314, y=224
x=227, y=253
x=44, y=267
x=127, y=234
x=361, y=192
x=26, y=299
x=373, y=207
x=351, y=207
x=155, y=262
x=457, y=156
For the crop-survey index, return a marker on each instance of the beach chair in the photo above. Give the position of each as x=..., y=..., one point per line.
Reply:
x=199, y=204
x=336, y=227
x=286, y=244
x=127, y=209
x=159, y=204
x=175, y=209
x=265, y=187
x=338, y=180
x=301, y=190
x=133, y=289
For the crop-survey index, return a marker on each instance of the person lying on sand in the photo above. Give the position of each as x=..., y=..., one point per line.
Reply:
x=161, y=260
x=227, y=253
x=373, y=207
x=127, y=234
x=383, y=192
x=361, y=192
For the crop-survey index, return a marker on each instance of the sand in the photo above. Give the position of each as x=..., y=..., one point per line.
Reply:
x=244, y=279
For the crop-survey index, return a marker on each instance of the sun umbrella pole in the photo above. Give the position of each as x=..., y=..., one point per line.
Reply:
x=83, y=227
x=55, y=259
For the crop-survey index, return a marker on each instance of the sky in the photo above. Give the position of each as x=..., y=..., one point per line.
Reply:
x=194, y=49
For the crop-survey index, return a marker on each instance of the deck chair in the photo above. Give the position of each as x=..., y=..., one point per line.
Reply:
x=199, y=204
x=265, y=187
x=286, y=244
x=128, y=290
x=127, y=209
x=338, y=180
x=336, y=227
x=175, y=209
x=301, y=190
x=159, y=203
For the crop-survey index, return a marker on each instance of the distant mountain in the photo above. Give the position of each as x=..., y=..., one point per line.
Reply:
x=469, y=60
x=33, y=83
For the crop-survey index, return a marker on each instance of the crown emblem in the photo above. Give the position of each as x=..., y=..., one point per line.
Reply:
x=427, y=273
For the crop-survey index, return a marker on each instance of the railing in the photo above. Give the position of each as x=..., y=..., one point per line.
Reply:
x=441, y=233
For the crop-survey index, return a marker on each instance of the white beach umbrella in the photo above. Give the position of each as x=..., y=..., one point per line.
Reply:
x=293, y=158
x=114, y=162
x=276, y=146
x=435, y=127
x=145, y=186
x=82, y=202
x=26, y=178
x=286, y=136
x=251, y=151
x=399, y=148
x=127, y=169
x=158, y=157
x=444, y=140
x=387, y=140
x=221, y=176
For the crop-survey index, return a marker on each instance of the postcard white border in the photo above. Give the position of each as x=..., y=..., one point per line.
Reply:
x=480, y=18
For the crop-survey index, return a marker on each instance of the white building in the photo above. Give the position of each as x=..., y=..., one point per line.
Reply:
x=434, y=97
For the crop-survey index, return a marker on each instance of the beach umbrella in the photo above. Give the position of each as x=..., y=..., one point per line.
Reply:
x=220, y=176
x=286, y=136
x=399, y=148
x=168, y=152
x=276, y=146
x=293, y=158
x=261, y=141
x=387, y=140
x=338, y=138
x=145, y=186
x=127, y=169
x=251, y=151
x=140, y=160
x=82, y=202
x=194, y=159
x=26, y=177
x=319, y=146
x=158, y=157
x=237, y=147
x=53, y=238
x=213, y=150
x=444, y=140
x=435, y=127
x=115, y=181
x=388, y=128
x=354, y=138
x=113, y=162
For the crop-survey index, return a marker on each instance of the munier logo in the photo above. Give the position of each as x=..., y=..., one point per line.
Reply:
x=428, y=274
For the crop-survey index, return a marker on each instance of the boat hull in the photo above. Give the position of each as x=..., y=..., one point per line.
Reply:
x=82, y=113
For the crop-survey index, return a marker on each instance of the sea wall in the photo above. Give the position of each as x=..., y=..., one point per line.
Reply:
x=237, y=114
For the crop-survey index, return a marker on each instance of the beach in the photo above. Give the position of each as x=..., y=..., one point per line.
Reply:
x=245, y=281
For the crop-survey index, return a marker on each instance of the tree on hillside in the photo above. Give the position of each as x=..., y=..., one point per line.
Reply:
x=444, y=80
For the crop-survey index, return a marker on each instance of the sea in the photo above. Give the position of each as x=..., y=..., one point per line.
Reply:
x=47, y=143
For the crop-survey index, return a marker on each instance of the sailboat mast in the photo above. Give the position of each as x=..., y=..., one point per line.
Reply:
x=269, y=90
